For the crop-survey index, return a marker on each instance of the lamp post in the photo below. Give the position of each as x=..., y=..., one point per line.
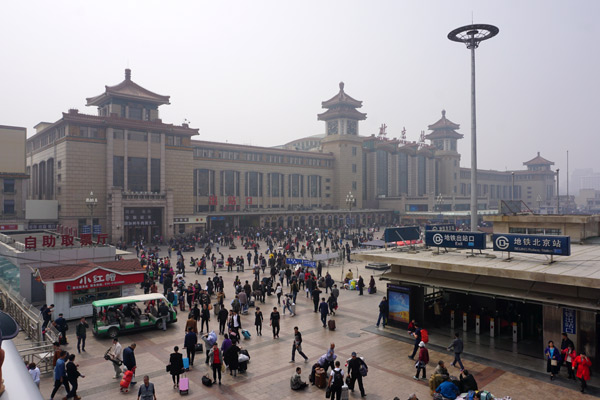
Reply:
x=91, y=202
x=350, y=202
x=472, y=35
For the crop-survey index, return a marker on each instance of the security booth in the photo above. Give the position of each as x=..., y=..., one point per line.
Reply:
x=73, y=288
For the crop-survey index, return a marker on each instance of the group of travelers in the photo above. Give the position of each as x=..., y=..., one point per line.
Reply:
x=577, y=365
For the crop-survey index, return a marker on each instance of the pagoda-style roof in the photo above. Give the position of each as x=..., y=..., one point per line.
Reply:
x=538, y=160
x=341, y=106
x=444, y=129
x=128, y=90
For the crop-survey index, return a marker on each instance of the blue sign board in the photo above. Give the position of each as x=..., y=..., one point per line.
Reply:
x=401, y=234
x=569, y=321
x=217, y=218
x=440, y=227
x=299, y=261
x=86, y=229
x=538, y=244
x=97, y=229
x=456, y=240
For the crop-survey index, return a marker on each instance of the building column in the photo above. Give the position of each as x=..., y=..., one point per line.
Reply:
x=163, y=164
x=125, y=144
x=149, y=161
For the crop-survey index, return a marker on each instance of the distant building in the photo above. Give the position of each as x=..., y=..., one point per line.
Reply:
x=152, y=179
x=13, y=177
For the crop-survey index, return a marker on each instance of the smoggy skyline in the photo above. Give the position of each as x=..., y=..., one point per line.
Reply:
x=256, y=72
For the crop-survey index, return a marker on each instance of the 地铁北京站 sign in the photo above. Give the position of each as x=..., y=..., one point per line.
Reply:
x=537, y=244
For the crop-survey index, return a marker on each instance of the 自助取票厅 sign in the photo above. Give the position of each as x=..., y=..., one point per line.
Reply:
x=537, y=244
x=97, y=279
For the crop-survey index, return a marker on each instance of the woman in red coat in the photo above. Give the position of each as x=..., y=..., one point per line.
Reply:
x=568, y=356
x=583, y=364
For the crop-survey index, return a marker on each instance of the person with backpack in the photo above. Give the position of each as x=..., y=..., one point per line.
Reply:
x=354, y=371
x=457, y=345
x=336, y=381
x=417, y=335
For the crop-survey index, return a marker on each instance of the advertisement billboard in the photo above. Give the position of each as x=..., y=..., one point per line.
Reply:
x=402, y=234
x=399, y=305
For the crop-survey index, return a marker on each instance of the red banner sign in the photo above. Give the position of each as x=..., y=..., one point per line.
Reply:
x=212, y=200
x=231, y=200
x=248, y=201
x=98, y=278
x=9, y=227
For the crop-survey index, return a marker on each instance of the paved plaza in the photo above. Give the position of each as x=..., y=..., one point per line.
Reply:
x=269, y=371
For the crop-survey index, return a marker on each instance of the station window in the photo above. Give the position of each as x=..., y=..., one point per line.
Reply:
x=87, y=296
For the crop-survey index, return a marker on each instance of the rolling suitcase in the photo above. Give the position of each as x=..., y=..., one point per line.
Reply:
x=320, y=378
x=217, y=308
x=199, y=348
x=184, y=386
x=331, y=324
x=345, y=395
x=293, y=308
x=186, y=363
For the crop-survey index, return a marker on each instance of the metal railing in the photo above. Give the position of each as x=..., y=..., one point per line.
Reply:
x=27, y=316
x=40, y=353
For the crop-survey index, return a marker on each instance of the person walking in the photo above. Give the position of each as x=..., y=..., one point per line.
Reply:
x=258, y=320
x=81, y=332
x=384, y=307
x=61, y=326
x=336, y=381
x=457, y=345
x=146, y=391
x=568, y=357
x=60, y=374
x=274, y=322
x=72, y=375
x=35, y=373
x=192, y=324
x=116, y=356
x=297, y=346
x=324, y=310
x=315, y=298
x=222, y=318
x=278, y=291
x=189, y=342
x=417, y=335
x=216, y=359
x=582, y=364
x=176, y=366
x=552, y=359
x=330, y=357
x=354, y=366
x=423, y=361
x=129, y=359
x=204, y=318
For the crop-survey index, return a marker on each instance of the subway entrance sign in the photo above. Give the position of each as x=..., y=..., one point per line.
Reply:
x=537, y=244
x=456, y=240
x=440, y=227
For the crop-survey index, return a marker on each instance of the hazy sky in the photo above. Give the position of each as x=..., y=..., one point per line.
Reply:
x=255, y=72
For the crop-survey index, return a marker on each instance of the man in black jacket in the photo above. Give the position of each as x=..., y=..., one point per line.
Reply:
x=80, y=330
x=129, y=359
x=189, y=342
x=354, y=372
x=222, y=318
x=72, y=375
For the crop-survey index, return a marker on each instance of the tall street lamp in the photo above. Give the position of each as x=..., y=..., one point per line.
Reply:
x=472, y=35
x=350, y=200
x=91, y=202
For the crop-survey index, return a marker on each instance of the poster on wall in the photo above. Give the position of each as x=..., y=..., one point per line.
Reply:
x=399, y=305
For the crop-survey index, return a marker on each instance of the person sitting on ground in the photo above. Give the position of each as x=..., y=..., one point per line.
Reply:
x=467, y=382
x=349, y=276
x=441, y=369
x=448, y=389
x=296, y=382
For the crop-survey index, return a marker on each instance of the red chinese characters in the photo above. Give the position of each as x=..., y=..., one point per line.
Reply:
x=85, y=239
x=30, y=242
x=67, y=240
x=48, y=241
